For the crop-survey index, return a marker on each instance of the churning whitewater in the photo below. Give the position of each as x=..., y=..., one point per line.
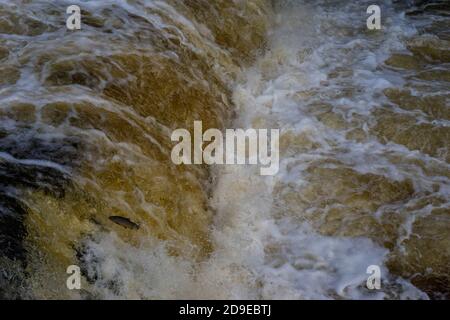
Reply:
x=87, y=179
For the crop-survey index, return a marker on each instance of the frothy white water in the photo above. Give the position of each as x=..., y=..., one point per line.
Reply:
x=287, y=259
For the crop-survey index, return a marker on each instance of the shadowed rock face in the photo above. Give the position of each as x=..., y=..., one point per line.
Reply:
x=12, y=251
x=12, y=230
x=16, y=180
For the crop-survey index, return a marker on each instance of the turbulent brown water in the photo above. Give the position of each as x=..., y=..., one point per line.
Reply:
x=85, y=124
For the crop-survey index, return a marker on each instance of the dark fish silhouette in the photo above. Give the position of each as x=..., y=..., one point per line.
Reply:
x=124, y=222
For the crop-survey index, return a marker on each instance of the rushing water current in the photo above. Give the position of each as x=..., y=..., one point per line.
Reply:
x=85, y=123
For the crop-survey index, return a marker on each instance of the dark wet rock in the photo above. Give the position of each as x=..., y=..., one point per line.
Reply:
x=15, y=178
x=12, y=230
x=50, y=180
x=26, y=144
x=437, y=7
x=12, y=251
